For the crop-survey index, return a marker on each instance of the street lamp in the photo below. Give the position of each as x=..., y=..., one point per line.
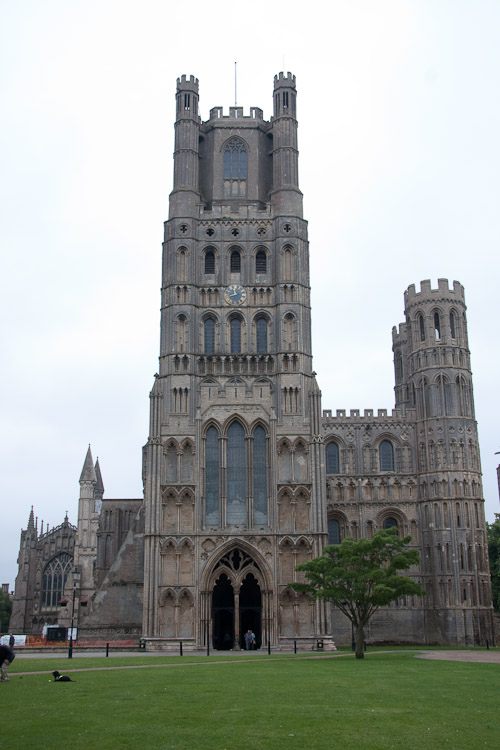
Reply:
x=76, y=578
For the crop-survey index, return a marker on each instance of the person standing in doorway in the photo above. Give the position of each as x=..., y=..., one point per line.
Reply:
x=249, y=640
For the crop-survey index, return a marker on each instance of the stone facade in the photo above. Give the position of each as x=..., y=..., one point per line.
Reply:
x=245, y=475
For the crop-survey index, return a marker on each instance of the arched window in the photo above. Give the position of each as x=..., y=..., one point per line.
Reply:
x=209, y=336
x=212, y=477
x=259, y=476
x=421, y=325
x=181, y=333
x=181, y=264
x=289, y=332
x=333, y=531
x=287, y=266
x=235, y=160
x=210, y=262
x=54, y=579
x=332, y=458
x=235, y=335
x=261, y=262
x=386, y=456
x=261, y=333
x=437, y=326
x=390, y=523
x=235, y=262
x=236, y=475
x=452, y=325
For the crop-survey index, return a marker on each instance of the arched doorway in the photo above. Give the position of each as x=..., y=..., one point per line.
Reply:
x=236, y=600
x=223, y=613
x=250, y=610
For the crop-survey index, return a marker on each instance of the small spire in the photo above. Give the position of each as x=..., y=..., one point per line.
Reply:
x=41, y=530
x=99, y=488
x=66, y=519
x=88, y=471
x=31, y=521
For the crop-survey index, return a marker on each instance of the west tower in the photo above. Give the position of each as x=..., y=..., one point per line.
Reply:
x=234, y=466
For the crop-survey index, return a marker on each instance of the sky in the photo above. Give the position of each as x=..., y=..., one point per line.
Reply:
x=399, y=116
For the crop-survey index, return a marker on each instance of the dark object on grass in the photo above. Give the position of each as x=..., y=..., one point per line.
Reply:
x=61, y=677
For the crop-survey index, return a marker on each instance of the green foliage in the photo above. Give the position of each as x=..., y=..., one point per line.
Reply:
x=359, y=577
x=5, y=610
x=493, y=531
x=394, y=701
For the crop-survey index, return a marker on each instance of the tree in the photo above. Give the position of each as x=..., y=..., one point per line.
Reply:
x=493, y=531
x=5, y=610
x=359, y=577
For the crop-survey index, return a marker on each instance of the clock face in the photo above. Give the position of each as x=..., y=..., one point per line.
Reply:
x=235, y=295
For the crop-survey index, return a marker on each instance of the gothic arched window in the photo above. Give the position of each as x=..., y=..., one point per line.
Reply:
x=333, y=531
x=235, y=335
x=236, y=473
x=386, y=456
x=209, y=336
x=210, y=261
x=235, y=160
x=289, y=332
x=421, y=325
x=452, y=325
x=261, y=262
x=54, y=579
x=212, y=477
x=235, y=262
x=437, y=326
x=259, y=476
x=261, y=335
x=332, y=458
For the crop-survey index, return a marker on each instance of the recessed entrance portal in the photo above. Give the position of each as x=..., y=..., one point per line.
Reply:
x=236, y=602
x=223, y=614
x=250, y=610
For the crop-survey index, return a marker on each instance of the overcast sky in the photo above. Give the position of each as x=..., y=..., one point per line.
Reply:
x=399, y=122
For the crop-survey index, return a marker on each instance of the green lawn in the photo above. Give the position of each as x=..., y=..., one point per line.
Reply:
x=384, y=701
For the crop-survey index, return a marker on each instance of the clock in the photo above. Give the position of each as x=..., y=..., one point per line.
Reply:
x=235, y=295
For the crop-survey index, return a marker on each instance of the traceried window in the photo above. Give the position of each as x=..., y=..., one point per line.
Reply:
x=261, y=332
x=54, y=579
x=236, y=475
x=235, y=160
x=245, y=477
x=386, y=456
x=209, y=336
x=261, y=262
x=235, y=335
x=332, y=458
x=210, y=262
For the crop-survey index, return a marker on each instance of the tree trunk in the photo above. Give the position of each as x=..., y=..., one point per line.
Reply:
x=360, y=642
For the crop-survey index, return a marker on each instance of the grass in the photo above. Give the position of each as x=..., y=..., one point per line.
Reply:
x=384, y=701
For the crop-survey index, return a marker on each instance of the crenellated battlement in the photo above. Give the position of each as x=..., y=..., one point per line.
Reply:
x=235, y=113
x=399, y=335
x=287, y=80
x=185, y=84
x=397, y=415
x=412, y=297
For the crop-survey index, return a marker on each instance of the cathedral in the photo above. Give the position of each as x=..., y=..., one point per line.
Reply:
x=245, y=475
